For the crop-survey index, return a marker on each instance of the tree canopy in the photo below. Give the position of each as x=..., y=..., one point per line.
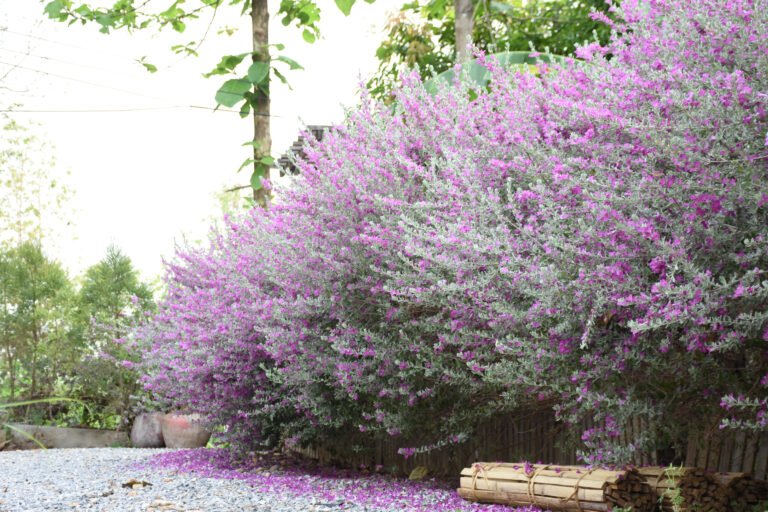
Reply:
x=421, y=36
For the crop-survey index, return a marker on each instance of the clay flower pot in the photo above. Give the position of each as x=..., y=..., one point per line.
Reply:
x=147, y=430
x=184, y=431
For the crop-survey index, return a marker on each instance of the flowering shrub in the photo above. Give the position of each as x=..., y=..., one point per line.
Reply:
x=592, y=238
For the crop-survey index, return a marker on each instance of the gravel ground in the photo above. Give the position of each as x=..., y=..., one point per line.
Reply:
x=99, y=479
x=127, y=479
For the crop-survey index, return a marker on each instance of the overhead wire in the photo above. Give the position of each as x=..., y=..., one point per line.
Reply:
x=119, y=89
x=63, y=43
x=89, y=111
x=61, y=61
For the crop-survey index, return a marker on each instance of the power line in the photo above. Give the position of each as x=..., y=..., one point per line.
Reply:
x=90, y=111
x=116, y=110
x=79, y=80
x=62, y=61
x=62, y=43
x=136, y=93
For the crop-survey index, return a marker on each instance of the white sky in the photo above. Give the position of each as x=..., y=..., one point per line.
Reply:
x=143, y=179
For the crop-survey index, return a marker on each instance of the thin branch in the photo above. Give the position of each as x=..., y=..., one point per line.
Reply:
x=238, y=188
x=748, y=159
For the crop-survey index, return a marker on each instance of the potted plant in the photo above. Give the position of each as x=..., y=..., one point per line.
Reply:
x=184, y=430
x=147, y=430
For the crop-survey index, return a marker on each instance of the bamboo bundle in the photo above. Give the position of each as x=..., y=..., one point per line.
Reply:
x=742, y=492
x=558, y=488
x=685, y=489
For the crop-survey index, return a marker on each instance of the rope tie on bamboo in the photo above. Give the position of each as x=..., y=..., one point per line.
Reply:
x=477, y=469
x=575, y=493
x=531, y=485
x=656, y=485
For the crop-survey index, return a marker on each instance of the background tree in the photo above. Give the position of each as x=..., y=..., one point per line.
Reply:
x=464, y=13
x=112, y=299
x=33, y=290
x=423, y=35
x=251, y=90
x=33, y=196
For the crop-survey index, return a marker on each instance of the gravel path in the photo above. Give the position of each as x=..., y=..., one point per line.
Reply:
x=93, y=479
x=126, y=479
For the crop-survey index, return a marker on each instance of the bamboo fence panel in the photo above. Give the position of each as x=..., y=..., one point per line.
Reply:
x=558, y=488
x=737, y=458
x=761, y=462
x=750, y=451
x=537, y=437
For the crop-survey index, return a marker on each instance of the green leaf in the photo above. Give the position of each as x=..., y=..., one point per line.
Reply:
x=178, y=26
x=254, y=143
x=279, y=75
x=291, y=63
x=267, y=160
x=258, y=173
x=246, y=163
x=106, y=21
x=83, y=11
x=172, y=12
x=227, y=64
x=149, y=67
x=245, y=109
x=189, y=48
x=345, y=6
x=308, y=36
x=55, y=10
x=232, y=92
x=258, y=72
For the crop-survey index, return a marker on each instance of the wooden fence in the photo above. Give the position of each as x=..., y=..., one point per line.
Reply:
x=537, y=437
x=741, y=451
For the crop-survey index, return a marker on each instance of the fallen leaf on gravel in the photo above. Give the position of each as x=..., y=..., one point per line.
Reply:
x=136, y=484
x=162, y=505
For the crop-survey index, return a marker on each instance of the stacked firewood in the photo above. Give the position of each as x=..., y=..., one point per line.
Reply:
x=742, y=492
x=557, y=488
x=680, y=489
x=582, y=489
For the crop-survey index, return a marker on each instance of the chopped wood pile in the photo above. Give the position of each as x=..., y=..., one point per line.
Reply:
x=685, y=488
x=583, y=489
x=567, y=488
x=743, y=493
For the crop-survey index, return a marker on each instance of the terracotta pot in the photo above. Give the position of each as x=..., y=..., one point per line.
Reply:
x=184, y=431
x=147, y=430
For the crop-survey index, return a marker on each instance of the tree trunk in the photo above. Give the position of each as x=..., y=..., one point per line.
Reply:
x=465, y=14
x=262, y=141
x=35, y=348
x=11, y=361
